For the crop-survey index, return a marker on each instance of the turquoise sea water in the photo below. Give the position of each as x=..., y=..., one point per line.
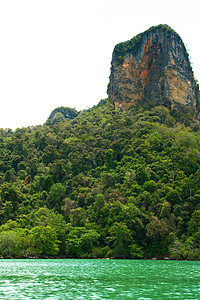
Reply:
x=99, y=279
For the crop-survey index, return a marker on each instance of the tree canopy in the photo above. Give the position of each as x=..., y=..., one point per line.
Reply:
x=103, y=183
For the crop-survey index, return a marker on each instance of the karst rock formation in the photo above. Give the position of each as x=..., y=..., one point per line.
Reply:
x=153, y=69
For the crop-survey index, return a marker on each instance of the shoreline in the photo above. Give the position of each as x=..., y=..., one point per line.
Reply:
x=95, y=258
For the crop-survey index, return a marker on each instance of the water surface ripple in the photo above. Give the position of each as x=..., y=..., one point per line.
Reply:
x=99, y=279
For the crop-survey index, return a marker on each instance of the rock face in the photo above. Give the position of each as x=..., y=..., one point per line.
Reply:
x=153, y=69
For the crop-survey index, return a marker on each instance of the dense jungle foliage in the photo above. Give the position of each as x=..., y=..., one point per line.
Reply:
x=107, y=183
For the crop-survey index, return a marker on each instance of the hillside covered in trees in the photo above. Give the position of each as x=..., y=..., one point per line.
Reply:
x=102, y=183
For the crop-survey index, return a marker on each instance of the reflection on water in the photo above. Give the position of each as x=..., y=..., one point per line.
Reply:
x=99, y=279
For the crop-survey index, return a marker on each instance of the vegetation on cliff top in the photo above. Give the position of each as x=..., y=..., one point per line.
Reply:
x=133, y=45
x=60, y=114
x=104, y=184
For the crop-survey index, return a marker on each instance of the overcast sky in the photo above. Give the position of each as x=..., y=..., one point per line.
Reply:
x=58, y=52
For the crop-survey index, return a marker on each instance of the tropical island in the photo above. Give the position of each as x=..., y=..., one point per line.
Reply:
x=119, y=180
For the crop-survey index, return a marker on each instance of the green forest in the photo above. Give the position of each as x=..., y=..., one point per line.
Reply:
x=102, y=183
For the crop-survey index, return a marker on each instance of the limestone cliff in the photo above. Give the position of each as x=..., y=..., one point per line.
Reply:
x=152, y=69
